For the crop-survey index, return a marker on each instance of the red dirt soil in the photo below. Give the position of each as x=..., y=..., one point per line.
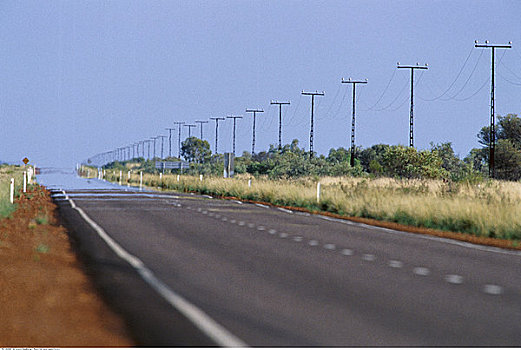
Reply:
x=46, y=300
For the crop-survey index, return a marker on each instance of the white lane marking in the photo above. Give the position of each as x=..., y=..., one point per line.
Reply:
x=313, y=243
x=285, y=210
x=329, y=246
x=190, y=208
x=205, y=323
x=272, y=231
x=210, y=214
x=224, y=218
x=251, y=225
x=217, y=216
x=395, y=264
x=421, y=271
x=283, y=235
x=241, y=223
x=261, y=205
x=454, y=279
x=238, y=202
x=205, y=212
x=302, y=213
x=493, y=289
x=261, y=228
x=199, y=209
x=421, y=236
x=297, y=239
x=368, y=257
x=207, y=196
x=233, y=221
x=347, y=252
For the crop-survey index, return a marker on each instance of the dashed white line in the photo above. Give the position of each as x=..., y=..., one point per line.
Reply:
x=368, y=257
x=261, y=205
x=261, y=228
x=313, y=243
x=283, y=235
x=297, y=239
x=241, y=223
x=238, y=202
x=251, y=225
x=454, y=279
x=272, y=231
x=329, y=246
x=421, y=271
x=233, y=221
x=395, y=264
x=205, y=212
x=217, y=216
x=224, y=218
x=285, y=210
x=493, y=289
x=347, y=252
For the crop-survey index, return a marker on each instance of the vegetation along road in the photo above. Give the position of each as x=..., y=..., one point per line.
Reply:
x=187, y=269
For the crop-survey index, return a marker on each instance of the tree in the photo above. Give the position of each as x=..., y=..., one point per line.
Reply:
x=196, y=150
x=407, y=162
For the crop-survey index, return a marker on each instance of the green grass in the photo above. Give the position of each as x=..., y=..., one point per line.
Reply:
x=487, y=209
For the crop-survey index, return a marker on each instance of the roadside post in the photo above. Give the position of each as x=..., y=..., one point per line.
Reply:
x=140, y=179
x=11, y=191
x=318, y=192
x=120, y=176
x=25, y=181
x=201, y=177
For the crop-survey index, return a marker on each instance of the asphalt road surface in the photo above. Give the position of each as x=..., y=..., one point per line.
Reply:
x=191, y=270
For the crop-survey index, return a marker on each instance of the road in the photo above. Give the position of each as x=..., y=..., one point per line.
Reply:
x=262, y=276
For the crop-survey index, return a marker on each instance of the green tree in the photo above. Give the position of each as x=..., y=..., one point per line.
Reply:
x=196, y=150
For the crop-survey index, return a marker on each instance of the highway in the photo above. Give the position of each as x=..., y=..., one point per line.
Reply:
x=186, y=269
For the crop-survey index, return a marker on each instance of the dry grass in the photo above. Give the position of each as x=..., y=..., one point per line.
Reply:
x=488, y=209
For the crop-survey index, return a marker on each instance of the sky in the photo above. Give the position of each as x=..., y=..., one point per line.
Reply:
x=78, y=78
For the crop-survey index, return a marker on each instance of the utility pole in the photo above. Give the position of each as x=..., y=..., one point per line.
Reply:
x=201, y=125
x=254, y=111
x=411, y=112
x=280, y=119
x=234, y=117
x=312, y=94
x=148, y=145
x=154, y=138
x=216, y=131
x=179, y=139
x=162, y=142
x=170, y=141
x=190, y=126
x=353, y=82
x=492, y=147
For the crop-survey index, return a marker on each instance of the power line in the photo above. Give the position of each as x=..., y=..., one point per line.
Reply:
x=383, y=93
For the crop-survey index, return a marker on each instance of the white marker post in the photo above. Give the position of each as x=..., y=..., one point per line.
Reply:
x=318, y=192
x=201, y=177
x=177, y=178
x=11, y=191
x=249, y=182
x=120, y=176
x=25, y=181
x=140, y=179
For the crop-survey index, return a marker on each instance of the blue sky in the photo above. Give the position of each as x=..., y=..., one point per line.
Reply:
x=83, y=77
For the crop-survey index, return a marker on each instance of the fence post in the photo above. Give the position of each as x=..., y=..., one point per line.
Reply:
x=11, y=191
x=25, y=181
x=318, y=192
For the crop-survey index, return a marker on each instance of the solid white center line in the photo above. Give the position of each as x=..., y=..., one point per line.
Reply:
x=421, y=271
x=454, y=279
x=283, y=235
x=493, y=289
x=368, y=257
x=396, y=264
x=347, y=252
x=313, y=243
x=329, y=246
